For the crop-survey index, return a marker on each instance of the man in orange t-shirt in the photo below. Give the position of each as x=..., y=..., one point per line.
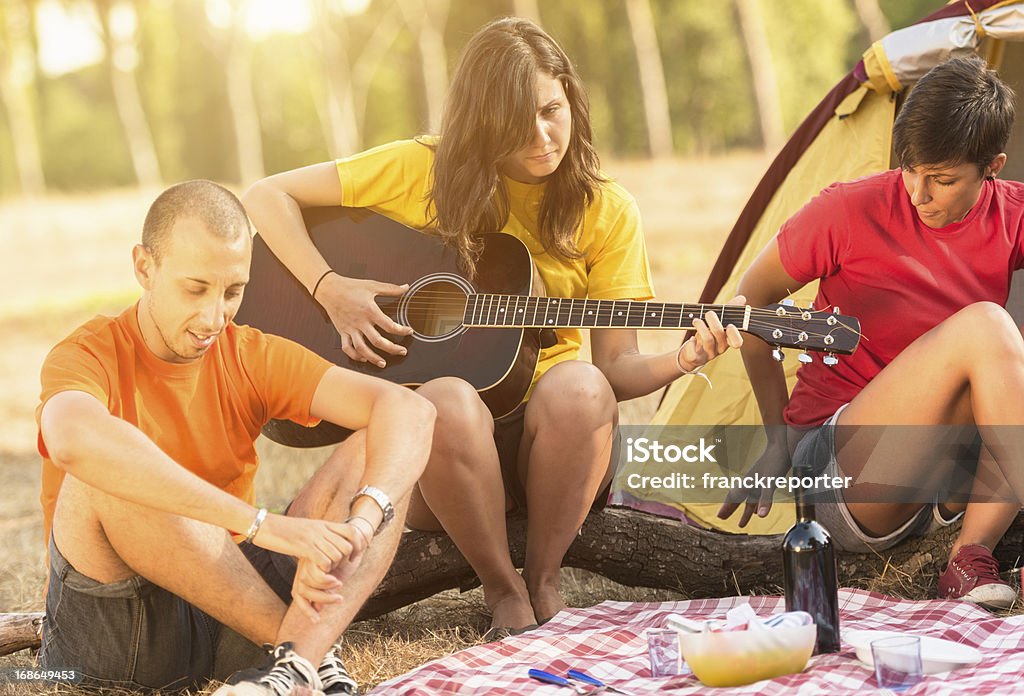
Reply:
x=146, y=428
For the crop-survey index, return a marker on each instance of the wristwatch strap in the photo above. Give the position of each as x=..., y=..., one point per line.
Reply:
x=383, y=502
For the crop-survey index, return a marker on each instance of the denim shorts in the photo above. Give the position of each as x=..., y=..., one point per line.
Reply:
x=135, y=634
x=817, y=450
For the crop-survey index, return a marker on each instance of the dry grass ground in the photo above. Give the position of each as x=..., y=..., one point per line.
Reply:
x=66, y=259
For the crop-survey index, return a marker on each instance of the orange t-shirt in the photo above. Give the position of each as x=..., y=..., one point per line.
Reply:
x=205, y=415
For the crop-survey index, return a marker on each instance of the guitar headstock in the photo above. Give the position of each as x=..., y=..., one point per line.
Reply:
x=788, y=326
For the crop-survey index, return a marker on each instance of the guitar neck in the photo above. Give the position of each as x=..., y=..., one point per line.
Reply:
x=522, y=311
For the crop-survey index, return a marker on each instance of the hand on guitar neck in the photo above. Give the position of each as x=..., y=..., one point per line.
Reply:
x=710, y=339
x=351, y=305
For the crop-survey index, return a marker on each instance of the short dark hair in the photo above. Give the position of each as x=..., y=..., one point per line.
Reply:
x=214, y=206
x=959, y=112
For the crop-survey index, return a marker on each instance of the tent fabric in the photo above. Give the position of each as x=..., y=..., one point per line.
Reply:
x=848, y=135
x=608, y=641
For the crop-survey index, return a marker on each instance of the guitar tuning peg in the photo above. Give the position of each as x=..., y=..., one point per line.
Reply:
x=831, y=360
x=777, y=354
x=788, y=302
x=805, y=358
x=835, y=310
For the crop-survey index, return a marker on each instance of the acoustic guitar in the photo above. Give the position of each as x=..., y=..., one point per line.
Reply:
x=488, y=331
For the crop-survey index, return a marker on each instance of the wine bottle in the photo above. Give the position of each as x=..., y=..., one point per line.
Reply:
x=809, y=572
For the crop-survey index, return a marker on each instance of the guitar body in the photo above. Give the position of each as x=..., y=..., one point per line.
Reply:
x=498, y=362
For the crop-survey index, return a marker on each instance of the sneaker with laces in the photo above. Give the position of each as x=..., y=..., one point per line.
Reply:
x=284, y=671
x=973, y=575
x=333, y=675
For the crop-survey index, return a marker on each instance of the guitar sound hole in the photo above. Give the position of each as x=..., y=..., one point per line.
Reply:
x=436, y=309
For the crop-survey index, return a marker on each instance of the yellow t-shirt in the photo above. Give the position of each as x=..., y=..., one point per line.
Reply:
x=395, y=180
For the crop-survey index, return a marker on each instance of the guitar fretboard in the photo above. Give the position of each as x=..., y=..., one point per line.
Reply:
x=522, y=311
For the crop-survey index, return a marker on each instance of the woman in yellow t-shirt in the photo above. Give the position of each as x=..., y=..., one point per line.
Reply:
x=514, y=155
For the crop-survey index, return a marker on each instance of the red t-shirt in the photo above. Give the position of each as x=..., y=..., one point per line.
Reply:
x=878, y=262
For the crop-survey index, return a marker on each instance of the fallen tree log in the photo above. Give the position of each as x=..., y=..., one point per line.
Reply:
x=641, y=550
x=632, y=548
x=19, y=631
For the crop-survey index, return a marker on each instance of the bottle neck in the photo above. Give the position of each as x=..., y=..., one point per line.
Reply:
x=804, y=505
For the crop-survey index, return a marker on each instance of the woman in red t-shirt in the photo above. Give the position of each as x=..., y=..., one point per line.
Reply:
x=923, y=255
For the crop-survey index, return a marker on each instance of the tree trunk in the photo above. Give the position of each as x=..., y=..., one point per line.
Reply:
x=762, y=71
x=373, y=54
x=17, y=79
x=237, y=59
x=652, y=78
x=872, y=18
x=121, y=61
x=337, y=112
x=19, y=631
x=427, y=19
x=635, y=549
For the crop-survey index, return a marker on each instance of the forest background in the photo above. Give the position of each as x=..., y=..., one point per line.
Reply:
x=104, y=102
x=111, y=93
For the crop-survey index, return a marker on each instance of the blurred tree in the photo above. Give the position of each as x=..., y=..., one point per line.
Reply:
x=230, y=43
x=873, y=19
x=652, y=78
x=18, y=77
x=709, y=87
x=426, y=19
x=762, y=69
x=336, y=106
x=118, y=23
x=903, y=13
x=810, y=48
x=381, y=43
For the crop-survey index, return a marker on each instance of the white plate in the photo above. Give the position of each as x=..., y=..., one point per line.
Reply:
x=937, y=655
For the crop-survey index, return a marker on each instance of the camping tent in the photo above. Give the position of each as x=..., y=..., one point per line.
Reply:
x=848, y=135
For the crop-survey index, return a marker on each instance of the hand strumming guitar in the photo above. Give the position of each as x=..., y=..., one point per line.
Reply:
x=357, y=317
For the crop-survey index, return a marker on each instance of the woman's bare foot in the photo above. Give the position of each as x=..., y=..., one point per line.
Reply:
x=545, y=597
x=510, y=607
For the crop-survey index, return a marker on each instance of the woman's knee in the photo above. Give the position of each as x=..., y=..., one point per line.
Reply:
x=463, y=422
x=456, y=401
x=991, y=323
x=577, y=390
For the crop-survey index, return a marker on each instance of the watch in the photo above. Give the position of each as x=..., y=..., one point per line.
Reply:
x=383, y=501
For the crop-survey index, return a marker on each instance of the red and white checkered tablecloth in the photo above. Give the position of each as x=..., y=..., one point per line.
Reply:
x=608, y=642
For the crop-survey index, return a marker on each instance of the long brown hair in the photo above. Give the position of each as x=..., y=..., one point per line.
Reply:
x=489, y=115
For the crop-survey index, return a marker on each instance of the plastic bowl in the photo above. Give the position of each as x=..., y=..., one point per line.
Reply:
x=735, y=658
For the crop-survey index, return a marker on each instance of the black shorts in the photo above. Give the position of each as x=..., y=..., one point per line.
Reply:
x=135, y=634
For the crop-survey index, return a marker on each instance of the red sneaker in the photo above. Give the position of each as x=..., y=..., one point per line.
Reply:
x=973, y=575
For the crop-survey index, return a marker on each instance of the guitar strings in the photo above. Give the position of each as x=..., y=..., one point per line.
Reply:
x=667, y=312
x=670, y=313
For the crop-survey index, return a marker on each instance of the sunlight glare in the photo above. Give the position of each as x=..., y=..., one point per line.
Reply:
x=68, y=38
x=266, y=17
